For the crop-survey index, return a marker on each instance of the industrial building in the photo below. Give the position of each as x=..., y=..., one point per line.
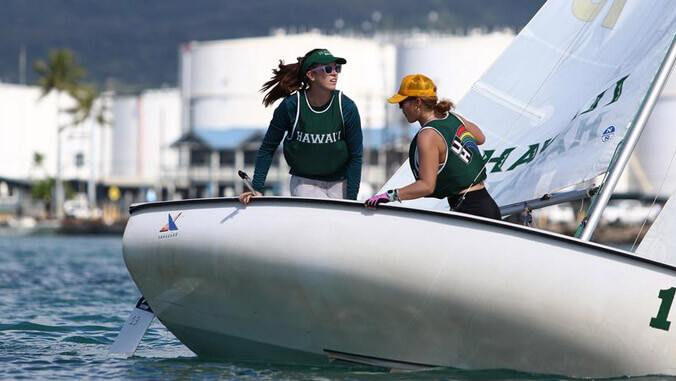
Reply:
x=191, y=140
x=224, y=120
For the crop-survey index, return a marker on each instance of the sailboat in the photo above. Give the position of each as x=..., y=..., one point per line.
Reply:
x=413, y=286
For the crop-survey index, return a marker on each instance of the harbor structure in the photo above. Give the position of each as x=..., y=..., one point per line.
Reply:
x=190, y=141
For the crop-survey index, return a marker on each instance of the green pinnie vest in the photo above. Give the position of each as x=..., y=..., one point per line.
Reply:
x=464, y=165
x=316, y=145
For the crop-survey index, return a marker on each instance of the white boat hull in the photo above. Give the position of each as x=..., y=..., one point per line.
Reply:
x=285, y=280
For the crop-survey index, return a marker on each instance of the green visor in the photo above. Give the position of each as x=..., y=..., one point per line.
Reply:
x=321, y=56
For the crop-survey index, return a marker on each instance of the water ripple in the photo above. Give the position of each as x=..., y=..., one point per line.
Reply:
x=64, y=299
x=28, y=326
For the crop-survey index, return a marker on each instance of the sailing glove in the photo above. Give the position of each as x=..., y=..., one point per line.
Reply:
x=383, y=198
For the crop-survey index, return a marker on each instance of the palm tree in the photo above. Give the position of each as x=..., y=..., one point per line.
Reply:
x=36, y=165
x=60, y=73
x=84, y=109
x=85, y=96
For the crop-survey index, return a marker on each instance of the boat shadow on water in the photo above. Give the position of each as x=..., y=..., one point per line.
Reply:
x=337, y=370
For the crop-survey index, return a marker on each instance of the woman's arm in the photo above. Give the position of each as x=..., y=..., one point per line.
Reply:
x=278, y=127
x=473, y=129
x=355, y=147
x=266, y=153
x=430, y=144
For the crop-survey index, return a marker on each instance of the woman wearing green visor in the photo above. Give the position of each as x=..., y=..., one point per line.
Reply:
x=320, y=127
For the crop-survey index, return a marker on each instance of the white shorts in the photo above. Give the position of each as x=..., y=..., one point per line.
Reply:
x=303, y=187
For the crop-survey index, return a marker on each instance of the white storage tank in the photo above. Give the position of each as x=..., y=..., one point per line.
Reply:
x=144, y=127
x=125, y=139
x=28, y=125
x=454, y=63
x=160, y=116
x=220, y=80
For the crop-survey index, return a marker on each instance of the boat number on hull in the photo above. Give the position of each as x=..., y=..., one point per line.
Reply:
x=660, y=321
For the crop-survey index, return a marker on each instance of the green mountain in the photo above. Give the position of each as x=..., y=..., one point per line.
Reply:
x=135, y=43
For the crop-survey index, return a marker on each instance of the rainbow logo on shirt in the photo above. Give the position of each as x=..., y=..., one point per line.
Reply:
x=462, y=141
x=466, y=138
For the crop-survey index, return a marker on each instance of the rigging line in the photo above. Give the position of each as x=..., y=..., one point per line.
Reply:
x=635, y=127
x=583, y=223
x=659, y=191
x=565, y=54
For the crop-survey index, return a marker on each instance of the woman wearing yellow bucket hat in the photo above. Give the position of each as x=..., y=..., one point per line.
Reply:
x=320, y=127
x=444, y=154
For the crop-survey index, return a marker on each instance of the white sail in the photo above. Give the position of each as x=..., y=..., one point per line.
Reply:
x=558, y=101
x=659, y=243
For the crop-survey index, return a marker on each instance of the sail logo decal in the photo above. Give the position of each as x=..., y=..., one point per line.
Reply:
x=462, y=141
x=170, y=229
x=608, y=133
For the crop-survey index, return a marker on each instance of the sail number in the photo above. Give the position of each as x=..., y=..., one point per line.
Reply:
x=587, y=10
x=660, y=321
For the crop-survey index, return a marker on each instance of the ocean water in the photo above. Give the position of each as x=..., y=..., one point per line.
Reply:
x=64, y=299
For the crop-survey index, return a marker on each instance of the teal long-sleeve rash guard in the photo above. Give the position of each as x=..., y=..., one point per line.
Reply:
x=282, y=123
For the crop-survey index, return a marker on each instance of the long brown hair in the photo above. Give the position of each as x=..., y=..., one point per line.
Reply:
x=285, y=80
x=439, y=106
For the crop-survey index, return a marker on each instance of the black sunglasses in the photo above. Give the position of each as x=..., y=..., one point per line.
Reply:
x=401, y=104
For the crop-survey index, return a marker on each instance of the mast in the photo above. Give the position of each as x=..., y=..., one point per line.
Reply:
x=628, y=144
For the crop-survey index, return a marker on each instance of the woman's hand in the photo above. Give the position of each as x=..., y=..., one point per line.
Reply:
x=245, y=197
x=383, y=198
